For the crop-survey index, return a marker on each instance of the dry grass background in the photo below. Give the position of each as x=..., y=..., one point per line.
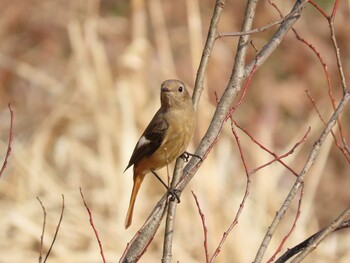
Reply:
x=83, y=78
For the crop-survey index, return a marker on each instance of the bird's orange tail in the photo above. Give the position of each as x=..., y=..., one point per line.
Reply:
x=138, y=178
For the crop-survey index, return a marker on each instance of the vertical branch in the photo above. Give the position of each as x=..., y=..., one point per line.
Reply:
x=171, y=215
x=93, y=226
x=9, y=147
x=205, y=230
x=209, y=44
x=56, y=232
x=42, y=232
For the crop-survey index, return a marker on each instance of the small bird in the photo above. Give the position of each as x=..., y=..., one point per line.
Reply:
x=165, y=138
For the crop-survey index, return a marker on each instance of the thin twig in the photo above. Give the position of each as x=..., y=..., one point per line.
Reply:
x=277, y=158
x=342, y=149
x=264, y=148
x=205, y=229
x=328, y=77
x=292, y=228
x=93, y=226
x=277, y=38
x=241, y=206
x=56, y=232
x=42, y=232
x=9, y=147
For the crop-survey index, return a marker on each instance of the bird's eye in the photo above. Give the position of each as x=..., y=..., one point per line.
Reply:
x=181, y=88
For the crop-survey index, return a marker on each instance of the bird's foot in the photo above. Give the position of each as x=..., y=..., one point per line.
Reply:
x=186, y=155
x=174, y=193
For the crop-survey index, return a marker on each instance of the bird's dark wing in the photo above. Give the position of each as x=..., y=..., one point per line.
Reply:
x=151, y=139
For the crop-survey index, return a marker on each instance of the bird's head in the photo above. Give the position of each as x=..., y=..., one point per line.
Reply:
x=174, y=94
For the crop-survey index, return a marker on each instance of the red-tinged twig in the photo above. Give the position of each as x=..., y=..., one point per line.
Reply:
x=9, y=147
x=284, y=155
x=292, y=228
x=205, y=229
x=239, y=148
x=335, y=8
x=263, y=147
x=340, y=69
x=330, y=91
x=240, y=100
x=318, y=8
x=42, y=232
x=241, y=206
x=323, y=63
x=234, y=222
x=248, y=182
x=342, y=149
x=57, y=229
x=93, y=226
x=330, y=19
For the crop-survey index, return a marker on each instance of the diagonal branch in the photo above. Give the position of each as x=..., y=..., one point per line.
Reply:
x=42, y=231
x=9, y=147
x=308, y=242
x=298, y=183
x=56, y=232
x=93, y=226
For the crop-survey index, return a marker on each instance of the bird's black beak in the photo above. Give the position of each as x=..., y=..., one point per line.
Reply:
x=164, y=89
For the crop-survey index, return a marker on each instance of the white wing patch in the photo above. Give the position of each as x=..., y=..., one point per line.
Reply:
x=142, y=141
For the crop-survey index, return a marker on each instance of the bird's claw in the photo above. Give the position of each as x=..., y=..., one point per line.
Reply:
x=186, y=155
x=174, y=193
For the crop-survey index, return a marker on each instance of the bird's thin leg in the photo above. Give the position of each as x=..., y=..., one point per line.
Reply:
x=187, y=155
x=172, y=192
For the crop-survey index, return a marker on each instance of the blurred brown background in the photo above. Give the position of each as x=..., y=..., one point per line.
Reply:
x=83, y=78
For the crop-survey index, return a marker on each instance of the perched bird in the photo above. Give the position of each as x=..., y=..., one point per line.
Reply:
x=165, y=138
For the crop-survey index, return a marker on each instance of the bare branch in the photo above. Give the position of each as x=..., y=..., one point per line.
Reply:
x=205, y=229
x=93, y=226
x=42, y=232
x=278, y=158
x=277, y=38
x=292, y=228
x=316, y=240
x=343, y=150
x=9, y=147
x=260, y=29
x=264, y=148
x=56, y=232
x=198, y=89
x=300, y=247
